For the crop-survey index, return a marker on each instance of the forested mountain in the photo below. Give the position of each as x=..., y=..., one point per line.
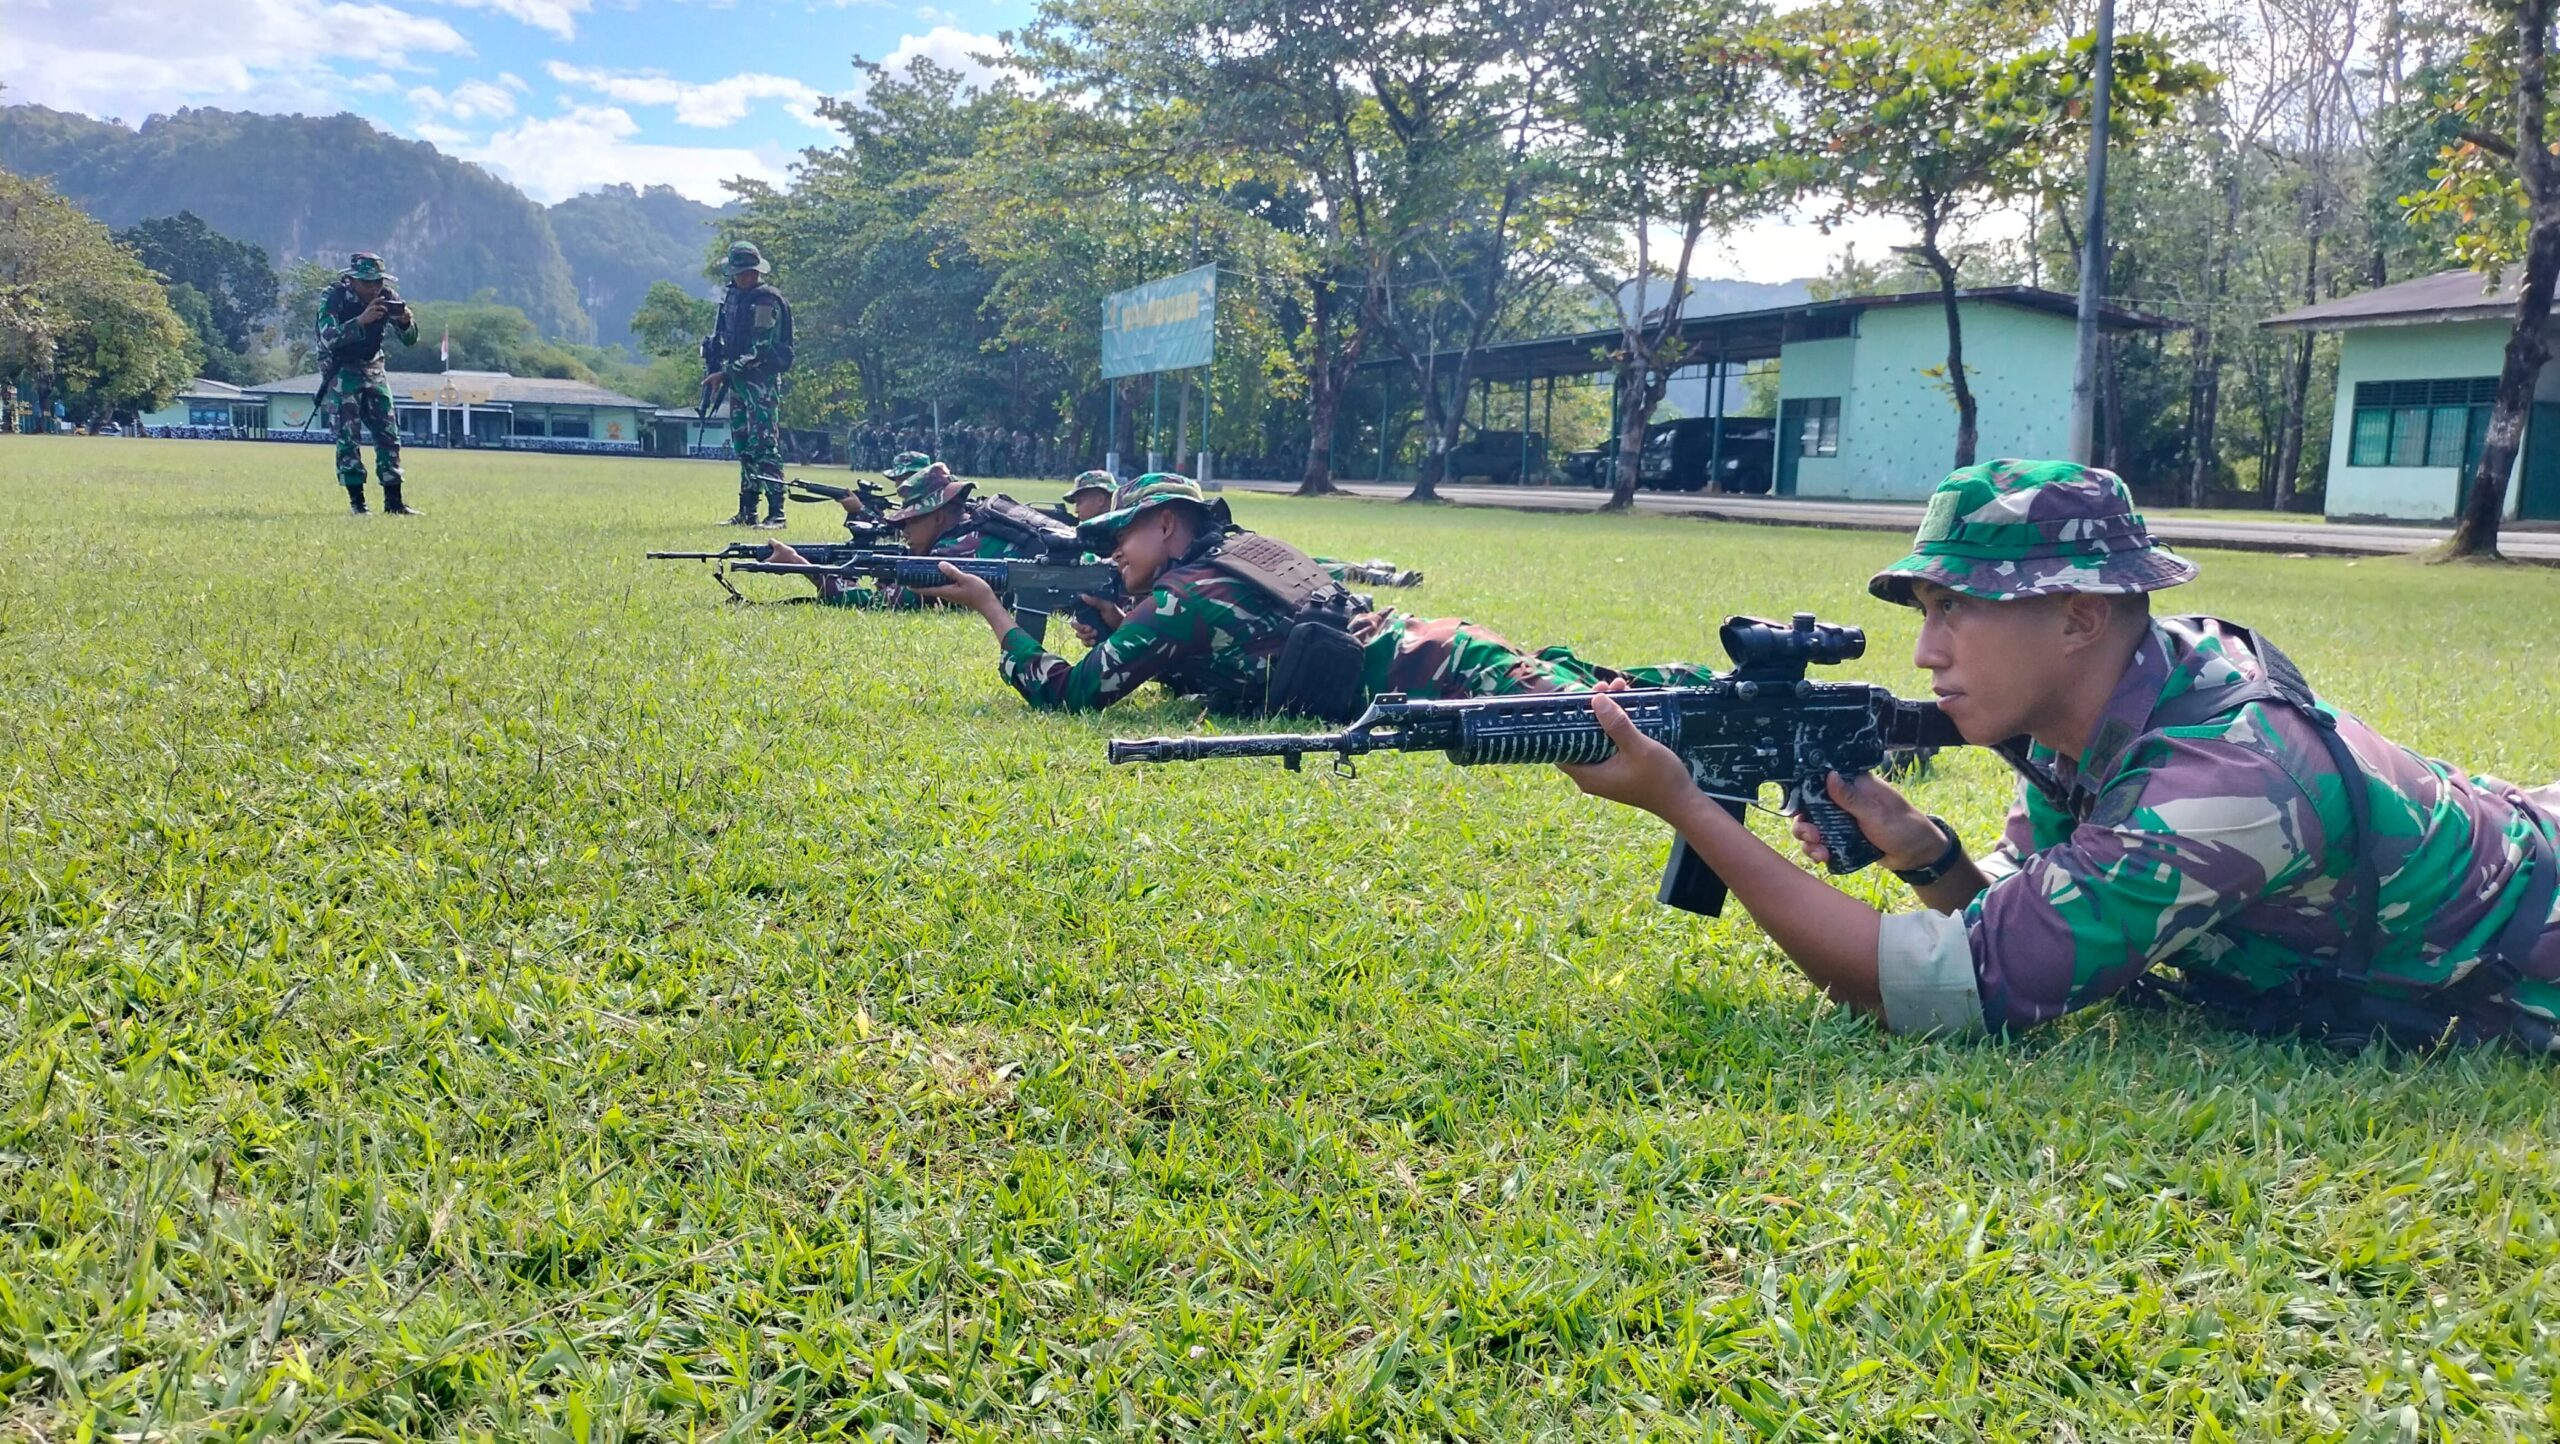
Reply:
x=619, y=241
x=316, y=188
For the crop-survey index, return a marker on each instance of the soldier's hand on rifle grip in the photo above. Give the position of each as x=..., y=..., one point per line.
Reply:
x=1890, y=820
x=962, y=590
x=1644, y=775
x=1107, y=610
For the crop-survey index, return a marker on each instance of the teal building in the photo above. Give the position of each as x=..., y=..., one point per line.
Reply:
x=2418, y=367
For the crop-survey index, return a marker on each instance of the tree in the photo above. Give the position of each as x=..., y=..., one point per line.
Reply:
x=2501, y=182
x=235, y=278
x=1671, y=124
x=671, y=323
x=1900, y=118
x=79, y=316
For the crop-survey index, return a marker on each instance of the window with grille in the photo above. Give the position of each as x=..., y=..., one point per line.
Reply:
x=2433, y=423
x=1811, y=424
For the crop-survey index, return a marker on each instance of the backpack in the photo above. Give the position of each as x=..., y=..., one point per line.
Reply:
x=1321, y=670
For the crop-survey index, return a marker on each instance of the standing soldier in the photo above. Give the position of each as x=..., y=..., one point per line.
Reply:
x=750, y=347
x=354, y=385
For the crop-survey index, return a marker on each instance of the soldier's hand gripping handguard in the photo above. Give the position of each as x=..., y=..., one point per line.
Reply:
x=1033, y=589
x=1759, y=724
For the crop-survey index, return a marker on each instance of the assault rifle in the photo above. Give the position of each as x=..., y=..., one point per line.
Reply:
x=1760, y=723
x=869, y=501
x=1031, y=589
x=828, y=554
x=392, y=308
x=1376, y=572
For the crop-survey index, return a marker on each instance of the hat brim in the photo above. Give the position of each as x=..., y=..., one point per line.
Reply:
x=956, y=491
x=2148, y=569
x=1088, y=488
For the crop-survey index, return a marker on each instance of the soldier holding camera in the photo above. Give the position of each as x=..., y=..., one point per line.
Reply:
x=355, y=388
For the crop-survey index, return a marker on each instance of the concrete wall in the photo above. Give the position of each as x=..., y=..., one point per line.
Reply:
x=1898, y=421
x=2409, y=353
x=1811, y=370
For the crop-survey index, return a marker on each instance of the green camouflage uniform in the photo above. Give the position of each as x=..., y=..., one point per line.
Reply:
x=1204, y=633
x=751, y=344
x=358, y=396
x=2205, y=827
x=920, y=491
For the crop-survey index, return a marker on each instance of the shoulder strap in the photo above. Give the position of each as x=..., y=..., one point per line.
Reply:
x=2280, y=681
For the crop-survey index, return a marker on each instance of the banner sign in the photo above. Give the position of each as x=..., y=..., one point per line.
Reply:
x=1166, y=325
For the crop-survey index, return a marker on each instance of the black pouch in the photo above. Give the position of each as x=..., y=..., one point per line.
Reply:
x=1319, y=670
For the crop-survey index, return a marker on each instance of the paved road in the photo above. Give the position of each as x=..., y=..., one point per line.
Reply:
x=2305, y=535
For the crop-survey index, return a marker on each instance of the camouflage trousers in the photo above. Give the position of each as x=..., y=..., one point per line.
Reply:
x=755, y=434
x=1447, y=657
x=360, y=402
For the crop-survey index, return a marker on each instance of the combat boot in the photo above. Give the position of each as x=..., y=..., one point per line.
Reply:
x=355, y=500
x=746, y=510
x=772, y=515
x=392, y=505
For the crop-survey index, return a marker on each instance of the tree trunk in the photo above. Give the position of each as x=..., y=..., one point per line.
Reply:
x=1633, y=417
x=1326, y=379
x=1968, y=413
x=1124, y=432
x=2297, y=392
x=1436, y=426
x=2476, y=535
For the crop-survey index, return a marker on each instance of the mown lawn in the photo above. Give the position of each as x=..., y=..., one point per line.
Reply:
x=463, y=982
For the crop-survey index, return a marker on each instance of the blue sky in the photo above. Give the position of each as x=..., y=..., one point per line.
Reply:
x=559, y=96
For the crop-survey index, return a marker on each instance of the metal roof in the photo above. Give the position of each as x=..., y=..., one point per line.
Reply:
x=2463, y=295
x=1755, y=335
x=482, y=387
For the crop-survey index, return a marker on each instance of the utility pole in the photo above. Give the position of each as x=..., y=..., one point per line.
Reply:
x=2093, y=255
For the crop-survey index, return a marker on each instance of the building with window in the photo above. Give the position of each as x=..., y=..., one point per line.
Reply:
x=487, y=408
x=2418, y=368
x=208, y=406
x=1864, y=411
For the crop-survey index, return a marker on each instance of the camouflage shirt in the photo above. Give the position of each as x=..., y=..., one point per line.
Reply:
x=352, y=346
x=2207, y=847
x=1204, y=633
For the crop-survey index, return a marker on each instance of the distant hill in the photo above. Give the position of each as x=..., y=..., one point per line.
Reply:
x=318, y=187
x=619, y=241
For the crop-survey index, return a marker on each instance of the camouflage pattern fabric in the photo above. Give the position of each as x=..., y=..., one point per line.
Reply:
x=2206, y=847
x=1204, y=633
x=2009, y=529
x=755, y=434
x=930, y=489
x=360, y=402
x=966, y=540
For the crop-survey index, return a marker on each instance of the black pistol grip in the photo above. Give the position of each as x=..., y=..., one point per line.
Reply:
x=1687, y=882
x=1848, y=846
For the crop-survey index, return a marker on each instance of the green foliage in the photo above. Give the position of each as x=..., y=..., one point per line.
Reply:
x=523, y=998
x=487, y=336
x=235, y=280
x=2474, y=196
x=79, y=316
x=671, y=323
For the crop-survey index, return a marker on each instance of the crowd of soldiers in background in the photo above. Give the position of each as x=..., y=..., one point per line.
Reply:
x=969, y=449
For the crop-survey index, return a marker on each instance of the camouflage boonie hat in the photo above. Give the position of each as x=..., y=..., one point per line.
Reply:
x=366, y=266
x=1096, y=480
x=927, y=490
x=743, y=256
x=2010, y=529
x=1135, y=499
x=906, y=464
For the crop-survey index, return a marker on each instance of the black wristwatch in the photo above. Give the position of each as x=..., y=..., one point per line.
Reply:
x=1945, y=862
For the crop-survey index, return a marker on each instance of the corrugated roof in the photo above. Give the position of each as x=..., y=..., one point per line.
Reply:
x=498, y=386
x=2463, y=295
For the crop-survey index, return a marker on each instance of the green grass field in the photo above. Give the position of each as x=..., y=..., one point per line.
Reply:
x=464, y=982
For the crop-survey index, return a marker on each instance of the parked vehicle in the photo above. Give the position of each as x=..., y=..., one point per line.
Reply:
x=1496, y=456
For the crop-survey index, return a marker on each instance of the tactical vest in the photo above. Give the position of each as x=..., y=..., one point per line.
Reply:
x=1321, y=667
x=1027, y=527
x=742, y=315
x=2334, y=1003
x=357, y=346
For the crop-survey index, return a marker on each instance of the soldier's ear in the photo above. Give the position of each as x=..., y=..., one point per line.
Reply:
x=2085, y=618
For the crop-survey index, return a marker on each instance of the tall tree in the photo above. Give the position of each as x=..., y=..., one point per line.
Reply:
x=236, y=278
x=2502, y=181
x=1671, y=131
x=1899, y=117
x=79, y=316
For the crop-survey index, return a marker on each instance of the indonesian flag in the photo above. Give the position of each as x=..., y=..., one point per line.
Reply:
x=444, y=350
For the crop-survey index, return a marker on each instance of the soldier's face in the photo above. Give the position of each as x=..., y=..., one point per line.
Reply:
x=366, y=291
x=1148, y=546
x=1998, y=668
x=923, y=531
x=1092, y=504
x=748, y=280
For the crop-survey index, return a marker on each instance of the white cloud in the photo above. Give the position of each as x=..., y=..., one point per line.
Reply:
x=552, y=158
x=443, y=137
x=378, y=83
x=949, y=47
x=560, y=17
x=513, y=81
x=934, y=15
x=706, y=105
x=132, y=58
x=471, y=100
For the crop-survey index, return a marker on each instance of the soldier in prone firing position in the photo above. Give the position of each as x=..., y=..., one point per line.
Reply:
x=2184, y=800
x=936, y=514
x=1254, y=625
